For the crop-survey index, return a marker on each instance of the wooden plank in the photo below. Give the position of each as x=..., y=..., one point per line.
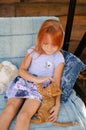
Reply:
x=39, y=9
x=25, y=9
x=77, y=34
x=54, y=1
x=81, y=46
x=81, y=1
x=7, y=10
x=79, y=26
x=9, y=1
x=79, y=20
x=63, y=21
x=46, y=1
x=42, y=1
x=80, y=9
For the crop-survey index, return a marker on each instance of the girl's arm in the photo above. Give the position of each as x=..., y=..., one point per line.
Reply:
x=26, y=75
x=23, y=68
x=57, y=78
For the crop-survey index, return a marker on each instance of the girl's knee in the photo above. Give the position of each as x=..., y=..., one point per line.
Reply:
x=10, y=108
x=24, y=116
x=13, y=105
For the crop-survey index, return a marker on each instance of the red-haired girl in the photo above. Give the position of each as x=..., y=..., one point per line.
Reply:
x=44, y=64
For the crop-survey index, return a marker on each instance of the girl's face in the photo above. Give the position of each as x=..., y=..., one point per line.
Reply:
x=47, y=45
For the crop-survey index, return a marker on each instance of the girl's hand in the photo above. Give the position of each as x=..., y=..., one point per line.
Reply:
x=54, y=113
x=43, y=79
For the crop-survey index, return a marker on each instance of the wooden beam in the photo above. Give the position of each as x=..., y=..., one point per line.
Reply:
x=70, y=18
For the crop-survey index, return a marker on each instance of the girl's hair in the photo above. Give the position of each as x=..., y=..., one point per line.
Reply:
x=55, y=30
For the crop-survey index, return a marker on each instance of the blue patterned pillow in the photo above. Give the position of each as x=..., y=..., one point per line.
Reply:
x=73, y=66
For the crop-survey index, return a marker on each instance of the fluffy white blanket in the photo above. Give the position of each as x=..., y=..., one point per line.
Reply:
x=7, y=72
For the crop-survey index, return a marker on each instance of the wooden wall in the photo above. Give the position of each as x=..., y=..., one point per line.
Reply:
x=17, y=8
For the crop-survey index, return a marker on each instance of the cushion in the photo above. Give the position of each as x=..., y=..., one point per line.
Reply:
x=73, y=66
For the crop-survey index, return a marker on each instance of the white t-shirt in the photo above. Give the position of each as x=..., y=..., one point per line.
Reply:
x=44, y=65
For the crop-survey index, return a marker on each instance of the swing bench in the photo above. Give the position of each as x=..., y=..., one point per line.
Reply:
x=17, y=34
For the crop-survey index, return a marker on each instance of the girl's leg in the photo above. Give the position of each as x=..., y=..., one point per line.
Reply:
x=27, y=111
x=9, y=112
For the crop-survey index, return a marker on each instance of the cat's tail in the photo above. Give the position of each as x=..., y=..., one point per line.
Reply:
x=65, y=123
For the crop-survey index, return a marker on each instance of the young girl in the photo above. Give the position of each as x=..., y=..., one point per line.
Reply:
x=44, y=64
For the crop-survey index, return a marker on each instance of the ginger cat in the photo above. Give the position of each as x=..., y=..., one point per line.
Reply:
x=49, y=94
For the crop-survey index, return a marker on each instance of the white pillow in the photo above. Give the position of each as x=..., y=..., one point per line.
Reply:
x=7, y=72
